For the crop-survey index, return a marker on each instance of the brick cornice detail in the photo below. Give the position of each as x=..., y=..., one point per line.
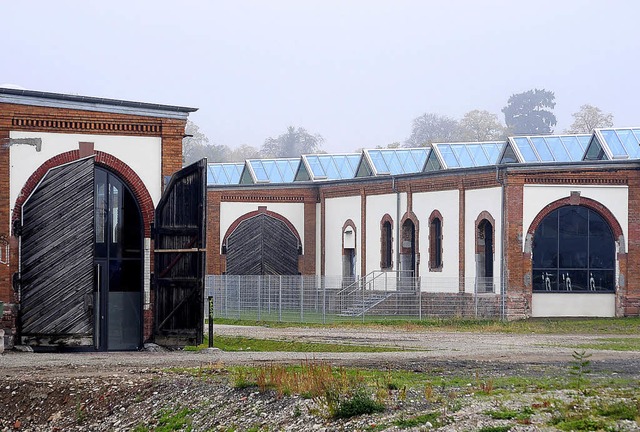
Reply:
x=82, y=124
x=124, y=171
x=585, y=202
x=580, y=180
x=253, y=198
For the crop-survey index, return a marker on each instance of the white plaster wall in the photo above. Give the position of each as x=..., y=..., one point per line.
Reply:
x=142, y=154
x=337, y=211
x=573, y=305
x=536, y=197
x=293, y=212
x=476, y=201
x=448, y=204
x=377, y=207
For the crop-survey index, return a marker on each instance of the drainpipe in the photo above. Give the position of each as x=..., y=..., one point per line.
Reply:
x=503, y=281
x=393, y=187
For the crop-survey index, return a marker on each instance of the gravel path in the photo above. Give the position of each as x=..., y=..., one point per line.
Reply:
x=421, y=346
x=120, y=391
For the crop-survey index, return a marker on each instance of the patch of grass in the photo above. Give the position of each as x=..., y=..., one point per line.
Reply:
x=621, y=410
x=359, y=403
x=612, y=344
x=579, y=424
x=603, y=326
x=433, y=418
x=238, y=343
x=174, y=420
x=521, y=416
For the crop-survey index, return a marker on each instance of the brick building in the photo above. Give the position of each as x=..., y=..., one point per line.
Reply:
x=547, y=222
x=80, y=178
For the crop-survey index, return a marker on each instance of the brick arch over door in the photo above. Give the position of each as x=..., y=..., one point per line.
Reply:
x=124, y=171
x=262, y=242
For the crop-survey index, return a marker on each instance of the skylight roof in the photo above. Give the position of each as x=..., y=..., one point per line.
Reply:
x=269, y=170
x=392, y=161
x=463, y=155
x=607, y=144
x=547, y=148
x=327, y=167
x=224, y=173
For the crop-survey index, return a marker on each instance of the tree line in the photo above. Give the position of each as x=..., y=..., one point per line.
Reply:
x=526, y=113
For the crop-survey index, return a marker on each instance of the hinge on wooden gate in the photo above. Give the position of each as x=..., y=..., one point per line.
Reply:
x=17, y=228
x=15, y=280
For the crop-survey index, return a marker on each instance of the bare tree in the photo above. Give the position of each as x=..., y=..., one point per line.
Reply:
x=481, y=125
x=245, y=151
x=588, y=118
x=430, y=127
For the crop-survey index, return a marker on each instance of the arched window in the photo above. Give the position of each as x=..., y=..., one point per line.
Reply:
x=485, y=241
x=386, y=243
x=435, y=241
x=573, y=250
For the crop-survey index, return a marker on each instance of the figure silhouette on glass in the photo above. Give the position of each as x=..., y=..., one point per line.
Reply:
x=592, y=282
x=567, y=281
x=546, y=280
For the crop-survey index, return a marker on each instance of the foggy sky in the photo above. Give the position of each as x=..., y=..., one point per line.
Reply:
x=356, y=72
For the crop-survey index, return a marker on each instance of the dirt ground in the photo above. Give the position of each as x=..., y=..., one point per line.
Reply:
x=125, y=390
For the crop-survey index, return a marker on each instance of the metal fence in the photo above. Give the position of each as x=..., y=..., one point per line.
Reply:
x=378, y=296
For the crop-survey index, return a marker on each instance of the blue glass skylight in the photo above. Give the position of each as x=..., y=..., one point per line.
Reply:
x=273, y=170
x=224, y=173
x=467, y=155
x=397, y=161
x=330, y=166
x=548, y=148
x=620, y=143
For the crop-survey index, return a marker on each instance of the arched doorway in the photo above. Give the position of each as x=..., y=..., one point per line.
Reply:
x=408, y=249
x=262, y=245
x=81, y=260
x=484, y=256
x=573, y=251
x=118, y=261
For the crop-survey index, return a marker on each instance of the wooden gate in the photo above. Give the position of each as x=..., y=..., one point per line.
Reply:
x=57, y=250
x=179, y=258
x=262, y=245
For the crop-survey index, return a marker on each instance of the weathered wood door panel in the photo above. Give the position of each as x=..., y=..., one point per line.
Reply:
x=179, y=258
x=262, y=245
x=57, y=253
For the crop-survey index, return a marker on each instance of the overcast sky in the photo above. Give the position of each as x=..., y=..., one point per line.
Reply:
x=356, y=72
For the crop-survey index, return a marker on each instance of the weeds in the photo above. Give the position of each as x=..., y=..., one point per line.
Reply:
x=579, y=368
x=433, y=418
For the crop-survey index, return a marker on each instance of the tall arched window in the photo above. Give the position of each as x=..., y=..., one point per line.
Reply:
x=485, y=241
x=573, y=250
x=435, y=241
x=386, y=243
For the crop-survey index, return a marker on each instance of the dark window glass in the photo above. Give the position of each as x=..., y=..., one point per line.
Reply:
x=386, y=245
x=435, y=252
x=573, y=251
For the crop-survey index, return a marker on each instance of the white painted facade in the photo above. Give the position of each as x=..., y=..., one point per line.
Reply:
x=142, y=154
x=377, y=207
x=573, y=305
x=477, y=201
x=448, y=204
x=231, y=211
x=337, y=212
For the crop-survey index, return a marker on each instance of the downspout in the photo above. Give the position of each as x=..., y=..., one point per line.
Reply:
x=394, y=189
x=503, y=237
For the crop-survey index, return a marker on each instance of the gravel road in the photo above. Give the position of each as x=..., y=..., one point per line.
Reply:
x=123, y=391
